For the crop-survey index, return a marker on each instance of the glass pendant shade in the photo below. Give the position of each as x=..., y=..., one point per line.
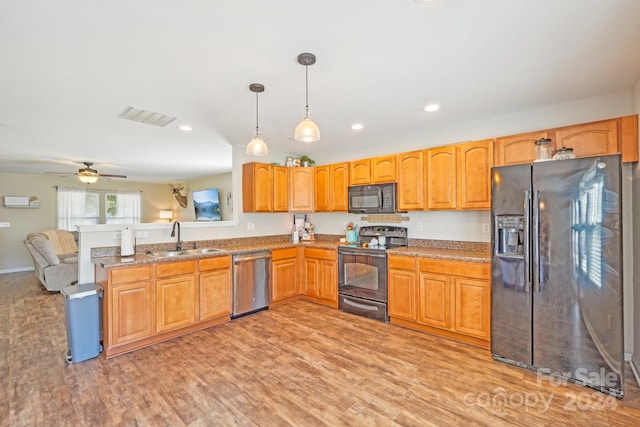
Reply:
x=307, y=130
x=257, y=147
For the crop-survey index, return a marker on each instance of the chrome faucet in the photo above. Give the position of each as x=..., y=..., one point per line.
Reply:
x=173, y=234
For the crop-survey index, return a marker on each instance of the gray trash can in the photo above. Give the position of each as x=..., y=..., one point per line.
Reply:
x=83, y=313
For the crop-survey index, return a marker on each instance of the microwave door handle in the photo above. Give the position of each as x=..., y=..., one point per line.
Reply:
x=379, y=198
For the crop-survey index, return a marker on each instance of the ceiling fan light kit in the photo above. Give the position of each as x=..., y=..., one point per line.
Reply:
x=87, y=175
x=257, y=147
x=307, y=130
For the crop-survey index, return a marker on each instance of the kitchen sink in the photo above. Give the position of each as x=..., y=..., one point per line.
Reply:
x=166, y=254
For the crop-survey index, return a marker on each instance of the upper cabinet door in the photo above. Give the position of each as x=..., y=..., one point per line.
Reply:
x=591, y=139
x=410, y=180
x=360, y=172
x=280, y=189
x=441, y=177
x=301, y=190
x=322, y=189
x=474, y=174
x=517, y=149
x=257, y=187
x=383, y=169
x=338, y=185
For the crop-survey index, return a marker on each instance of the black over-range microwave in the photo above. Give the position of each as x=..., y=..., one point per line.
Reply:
x=372, y=199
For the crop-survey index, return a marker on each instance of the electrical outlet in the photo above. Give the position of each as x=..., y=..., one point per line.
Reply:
x=419, y=226
x=140, y=234
x=251, y=226
x=485, y=228
x=5, y=224
x=344, y=225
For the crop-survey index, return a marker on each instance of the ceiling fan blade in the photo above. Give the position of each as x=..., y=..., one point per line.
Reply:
x=62, y=173
x=106, y=175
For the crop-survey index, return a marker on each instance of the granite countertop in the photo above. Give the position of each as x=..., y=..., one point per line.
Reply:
x=459, y=252
x=112, y=261
x=441, y=253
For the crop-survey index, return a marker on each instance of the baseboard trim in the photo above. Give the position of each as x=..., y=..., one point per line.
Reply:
x=635, y=372
x=16, y=270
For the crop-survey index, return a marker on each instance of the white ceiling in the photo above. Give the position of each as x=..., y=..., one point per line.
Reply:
x=68, y=68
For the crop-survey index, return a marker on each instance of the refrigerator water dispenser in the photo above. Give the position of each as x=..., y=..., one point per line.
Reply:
x=509, y=235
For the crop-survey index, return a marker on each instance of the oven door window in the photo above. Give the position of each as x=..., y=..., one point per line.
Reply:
x=361, y=275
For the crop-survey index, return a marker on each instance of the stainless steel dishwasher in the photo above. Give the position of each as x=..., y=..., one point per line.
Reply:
x=251, y=282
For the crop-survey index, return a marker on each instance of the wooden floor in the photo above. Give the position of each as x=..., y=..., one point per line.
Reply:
x=300, y=364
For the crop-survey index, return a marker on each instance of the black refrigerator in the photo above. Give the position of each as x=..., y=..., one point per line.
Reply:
x=556, y=298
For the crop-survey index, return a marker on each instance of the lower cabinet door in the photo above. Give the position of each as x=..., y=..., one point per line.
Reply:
x=435, y=300
x=473, y=302
x=215, y=294
x=402, y=294
x=175, y=302
x=284, y=283
x=131, y=316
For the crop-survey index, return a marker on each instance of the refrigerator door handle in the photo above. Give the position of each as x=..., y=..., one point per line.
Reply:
x=536, y=241
x=527, y=240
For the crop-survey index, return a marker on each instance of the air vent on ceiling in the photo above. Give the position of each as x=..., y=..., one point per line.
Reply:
x=145, y=116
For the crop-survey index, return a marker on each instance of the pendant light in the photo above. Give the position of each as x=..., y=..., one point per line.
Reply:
x=257, y=147
x=307, y=130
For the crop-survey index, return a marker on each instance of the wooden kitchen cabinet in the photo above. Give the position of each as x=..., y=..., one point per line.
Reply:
x=590, y=139
x=441, y=177
x=402, y=287
x=322, y=190
x=320, y=276
x=331, y=188
x=383, y=169
x=214, y=287
x=175, y=295
x=285, y=273
x=410, y=180
x=146, y=304
x=517, y=149
x=473, y=174
x=338, y=187
x=360, y=172
x=456, y=296
x=446, y=297
x=129, y=311
x=280, y=189
x=257, y=187
x=301, y=189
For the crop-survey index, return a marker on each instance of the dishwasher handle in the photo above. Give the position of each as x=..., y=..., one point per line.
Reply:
x=251, y=257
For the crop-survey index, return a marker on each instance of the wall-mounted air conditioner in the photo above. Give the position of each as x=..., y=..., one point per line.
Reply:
x=20, y=202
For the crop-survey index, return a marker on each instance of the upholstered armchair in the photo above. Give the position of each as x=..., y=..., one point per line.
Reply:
x=55, y=258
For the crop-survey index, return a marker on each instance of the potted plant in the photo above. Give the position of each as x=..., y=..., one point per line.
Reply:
x=305, y=161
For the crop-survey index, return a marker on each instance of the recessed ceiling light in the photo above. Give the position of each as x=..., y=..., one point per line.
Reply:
x=431, y=108
x=185, y=128
x=357, y=126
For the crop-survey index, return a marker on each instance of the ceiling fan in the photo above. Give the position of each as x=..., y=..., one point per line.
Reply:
x=87, y=174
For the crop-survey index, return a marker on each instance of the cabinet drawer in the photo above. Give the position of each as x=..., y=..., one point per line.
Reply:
x=130, y=275
x=479, y=270
x=175, y=268
x=277, y=254
x=214, y=263
x=320, y=253
x=402, y=262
